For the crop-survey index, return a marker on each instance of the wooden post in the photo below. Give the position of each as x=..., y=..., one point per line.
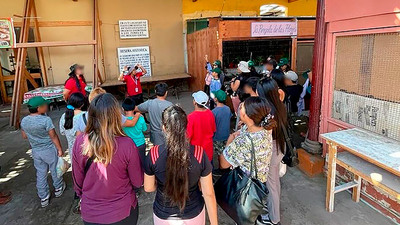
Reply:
x=317, y=70
x=294, y=54
x=38, y=38
x=330, y=181
x=3, y=90
x=100, y=42
x=357, y=189
x=95, y=46
x=19, y=73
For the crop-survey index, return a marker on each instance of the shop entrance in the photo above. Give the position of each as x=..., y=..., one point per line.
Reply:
x=256, y=50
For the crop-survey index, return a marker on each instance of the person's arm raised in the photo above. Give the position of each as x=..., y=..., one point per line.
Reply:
x=209, y=198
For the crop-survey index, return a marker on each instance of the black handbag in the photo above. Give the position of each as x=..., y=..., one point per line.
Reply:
x=290, y=157
x=242, y=197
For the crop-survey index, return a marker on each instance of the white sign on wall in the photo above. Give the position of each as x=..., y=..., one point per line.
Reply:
x=133, y=29
x=131, y=56
x=268, y=29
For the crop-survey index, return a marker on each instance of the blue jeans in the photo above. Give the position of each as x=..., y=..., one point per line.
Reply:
x=44, y=161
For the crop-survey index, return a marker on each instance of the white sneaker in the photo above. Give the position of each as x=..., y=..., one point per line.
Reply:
x=60, y=191
x=45, y=201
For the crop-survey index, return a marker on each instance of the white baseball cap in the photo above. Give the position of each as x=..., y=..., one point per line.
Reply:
x=200, y=98
x=291, y=75
x=244, y=66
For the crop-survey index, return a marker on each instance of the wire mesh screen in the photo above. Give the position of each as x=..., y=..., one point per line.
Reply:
x=366, y=86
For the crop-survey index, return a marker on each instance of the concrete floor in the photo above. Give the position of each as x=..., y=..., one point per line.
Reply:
x=302, y=201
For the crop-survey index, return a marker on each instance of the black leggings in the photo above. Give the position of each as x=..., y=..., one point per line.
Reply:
x=132, y=219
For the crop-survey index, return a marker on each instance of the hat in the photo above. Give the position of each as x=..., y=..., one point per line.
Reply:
x=220, y=95
x=128, y=104
x=244, y=67
x=200, y=98
x=218, y=63
x=283, y=61
x=74, y=67
x=217, y=70
x=37, y=101
x=251, y=63
x=291, y=75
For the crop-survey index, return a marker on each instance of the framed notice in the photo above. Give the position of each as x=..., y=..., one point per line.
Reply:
x=133, y=29
x=131, y=56
x=7, y=33
x=273, y=29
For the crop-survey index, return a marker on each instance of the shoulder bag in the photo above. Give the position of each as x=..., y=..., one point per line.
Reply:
x=241, y=196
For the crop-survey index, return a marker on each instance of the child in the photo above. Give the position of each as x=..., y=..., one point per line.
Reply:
x=222, y=114
x=39, y=130
x=135, y=132
x=215, y=84
x=68, y=120
x=201, y=124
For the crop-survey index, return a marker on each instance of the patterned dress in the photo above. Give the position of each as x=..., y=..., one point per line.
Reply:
x=238, y=153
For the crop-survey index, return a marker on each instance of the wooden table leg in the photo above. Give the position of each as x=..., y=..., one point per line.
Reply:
x=357, y=189
x=330, y=183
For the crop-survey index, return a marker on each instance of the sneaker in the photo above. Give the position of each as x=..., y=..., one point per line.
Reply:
x=60, y=191
x=45, y=201
x=265, y=220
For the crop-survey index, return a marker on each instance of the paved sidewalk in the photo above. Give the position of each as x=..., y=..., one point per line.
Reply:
x=303, y=198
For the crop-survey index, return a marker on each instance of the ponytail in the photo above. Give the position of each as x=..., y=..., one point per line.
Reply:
x=177, y=183
x=75, y=101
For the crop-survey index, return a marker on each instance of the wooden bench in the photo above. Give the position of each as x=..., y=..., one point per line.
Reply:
x=369, y=156
x=175, y=81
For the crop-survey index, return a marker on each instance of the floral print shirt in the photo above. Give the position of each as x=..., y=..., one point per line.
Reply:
x=238, y=153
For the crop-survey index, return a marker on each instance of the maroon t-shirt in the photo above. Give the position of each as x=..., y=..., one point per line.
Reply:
x=107, y=191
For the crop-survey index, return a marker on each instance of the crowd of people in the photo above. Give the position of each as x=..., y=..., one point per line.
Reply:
x=107, y=146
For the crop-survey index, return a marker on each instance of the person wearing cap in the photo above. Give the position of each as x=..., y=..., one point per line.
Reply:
x=216, y=64
x=252, y=68
x=46, y=148
x=293, y=91
x=238, y=83
x=76, y=81
x=201, y=124
x=131, y=76
x=284, y=65
x=135, y=132
x=222, y=115
x=215, y=84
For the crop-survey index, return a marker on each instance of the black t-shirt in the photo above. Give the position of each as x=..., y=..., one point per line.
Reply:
x=199, y=166
x=294, y=93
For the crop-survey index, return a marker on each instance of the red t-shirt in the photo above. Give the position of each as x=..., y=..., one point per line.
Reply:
x=200, y=130
x=133, y=84
x=73, y=88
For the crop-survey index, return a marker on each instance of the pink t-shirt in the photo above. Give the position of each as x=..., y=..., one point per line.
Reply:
x=107, y=192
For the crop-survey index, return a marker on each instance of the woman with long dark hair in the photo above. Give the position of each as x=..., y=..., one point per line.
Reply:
x=74, y=111
x=76, y=81
x=107, y=167
x=267, y=88
x=279, y=78
x=176, y=170
x=255, y=135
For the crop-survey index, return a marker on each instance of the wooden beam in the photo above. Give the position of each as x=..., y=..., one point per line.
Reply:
x=2, y=86
x=95, y=47
x=294, y=54
x=58, y=23
x=54, y=44
x=31, y=79
x=12, y=77
x=290, y=1
x=21, y=60
x=38, y=38
x=100, y=43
